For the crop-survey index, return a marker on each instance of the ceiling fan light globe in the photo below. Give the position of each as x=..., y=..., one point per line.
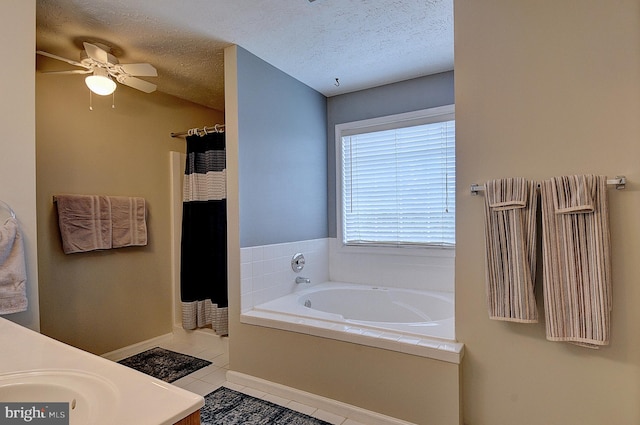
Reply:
x=100, y=84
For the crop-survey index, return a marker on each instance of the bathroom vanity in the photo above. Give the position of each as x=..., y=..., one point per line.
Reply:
x=37, y=369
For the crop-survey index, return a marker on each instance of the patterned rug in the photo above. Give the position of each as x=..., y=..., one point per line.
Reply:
x=228, y=407
x=164, y=364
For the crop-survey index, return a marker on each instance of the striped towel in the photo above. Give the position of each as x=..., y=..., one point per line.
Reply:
x=576, y=253
x=510, y=239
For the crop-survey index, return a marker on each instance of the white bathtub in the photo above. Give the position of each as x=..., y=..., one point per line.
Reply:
x=412, y=321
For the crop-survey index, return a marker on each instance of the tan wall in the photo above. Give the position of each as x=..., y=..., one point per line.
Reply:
x=415, y=389
x=102, y=301
x=547, y=88
x=18, y=141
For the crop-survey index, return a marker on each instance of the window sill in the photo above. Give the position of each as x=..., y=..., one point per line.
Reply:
x=438, y=252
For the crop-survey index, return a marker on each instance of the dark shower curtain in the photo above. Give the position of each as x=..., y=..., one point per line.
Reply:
x=203, y=272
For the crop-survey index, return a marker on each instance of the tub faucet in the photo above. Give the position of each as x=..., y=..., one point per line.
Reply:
x=300, y=279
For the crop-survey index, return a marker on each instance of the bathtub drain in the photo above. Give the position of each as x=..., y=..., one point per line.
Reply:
x=307, y=303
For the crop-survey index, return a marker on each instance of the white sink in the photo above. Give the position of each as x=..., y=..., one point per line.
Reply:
x=91, y=398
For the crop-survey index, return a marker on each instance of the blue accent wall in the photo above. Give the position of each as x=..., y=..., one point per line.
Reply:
x=282, y=156
x=406, y=96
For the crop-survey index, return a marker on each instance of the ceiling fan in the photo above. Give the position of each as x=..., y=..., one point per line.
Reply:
x=104, y=68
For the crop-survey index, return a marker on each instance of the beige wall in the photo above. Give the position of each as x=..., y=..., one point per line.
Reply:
x=18, y=142
x=547, y=88
x=102, y=301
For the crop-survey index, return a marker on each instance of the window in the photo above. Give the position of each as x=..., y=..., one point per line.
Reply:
x=396, y=178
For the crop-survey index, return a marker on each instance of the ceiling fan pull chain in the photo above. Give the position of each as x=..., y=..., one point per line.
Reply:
x=90, y=101
x=113, y=101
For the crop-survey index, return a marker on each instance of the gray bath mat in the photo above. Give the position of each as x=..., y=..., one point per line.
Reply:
x=164, y=364
x=229, y=407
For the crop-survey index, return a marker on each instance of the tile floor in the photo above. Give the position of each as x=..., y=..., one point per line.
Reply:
x=209, y=378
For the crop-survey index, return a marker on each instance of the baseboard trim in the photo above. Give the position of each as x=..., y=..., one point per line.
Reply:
x=333, y=406
x=201, y=336
x=123, y=353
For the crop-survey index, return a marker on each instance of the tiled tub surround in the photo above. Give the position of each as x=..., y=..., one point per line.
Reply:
x=270, y=296
x=266, y=272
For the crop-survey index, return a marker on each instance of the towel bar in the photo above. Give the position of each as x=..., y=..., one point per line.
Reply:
x=619, y=182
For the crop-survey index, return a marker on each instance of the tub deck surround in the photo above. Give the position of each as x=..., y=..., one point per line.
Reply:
x=138, y=398
x=432, y=339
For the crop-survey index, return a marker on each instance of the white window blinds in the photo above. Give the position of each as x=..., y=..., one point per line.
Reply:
x=398, y=186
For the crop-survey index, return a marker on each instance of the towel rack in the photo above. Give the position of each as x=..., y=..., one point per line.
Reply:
x=5, y=205
x=618, y=181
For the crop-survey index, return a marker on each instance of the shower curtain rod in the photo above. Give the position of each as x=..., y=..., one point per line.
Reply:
x=218, y=128
x=619, y=182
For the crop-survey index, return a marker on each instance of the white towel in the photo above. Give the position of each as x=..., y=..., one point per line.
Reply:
x=13, y=273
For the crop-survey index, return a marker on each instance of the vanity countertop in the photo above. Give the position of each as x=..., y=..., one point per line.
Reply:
x=137, y=398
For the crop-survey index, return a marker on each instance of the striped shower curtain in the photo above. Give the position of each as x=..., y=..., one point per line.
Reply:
x=203, y=272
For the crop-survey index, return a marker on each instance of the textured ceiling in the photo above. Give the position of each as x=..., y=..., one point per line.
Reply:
x=364, y=43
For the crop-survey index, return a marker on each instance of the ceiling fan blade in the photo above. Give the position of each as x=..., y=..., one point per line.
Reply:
x=96, y=53
x=139, y=69
x=136, y=83
x=60, y=58
x=75, y=71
